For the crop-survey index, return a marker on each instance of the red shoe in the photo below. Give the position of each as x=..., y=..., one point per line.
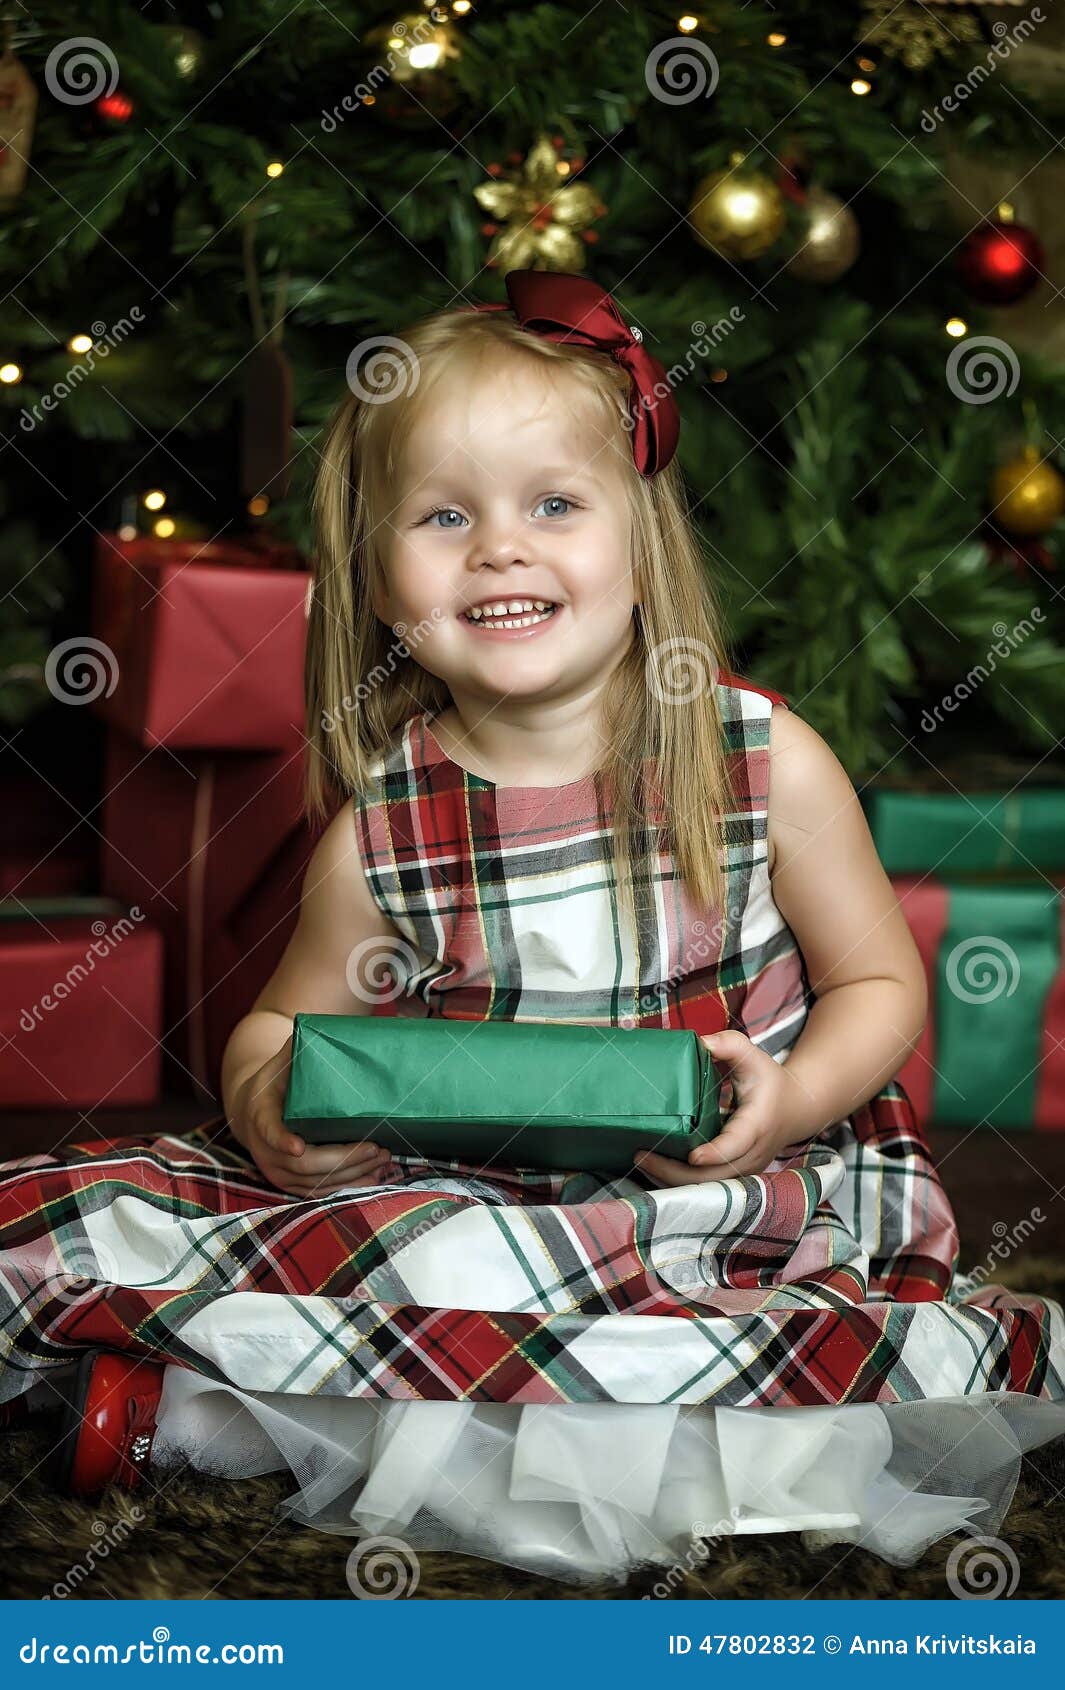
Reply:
x=108, y=1425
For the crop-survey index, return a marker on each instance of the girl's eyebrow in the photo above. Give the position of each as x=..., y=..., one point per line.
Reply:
x=546, y=474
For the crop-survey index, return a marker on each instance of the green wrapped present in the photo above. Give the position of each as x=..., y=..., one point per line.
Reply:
x=521, y=1093
x=969, y=832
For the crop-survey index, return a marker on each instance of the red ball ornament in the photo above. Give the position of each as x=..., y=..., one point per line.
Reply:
x=1000, y=262
x=116, y=107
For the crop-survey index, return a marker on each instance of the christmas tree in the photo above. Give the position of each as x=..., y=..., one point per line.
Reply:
x=829, y=223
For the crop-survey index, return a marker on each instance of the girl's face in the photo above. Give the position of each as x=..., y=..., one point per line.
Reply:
x=502, y=499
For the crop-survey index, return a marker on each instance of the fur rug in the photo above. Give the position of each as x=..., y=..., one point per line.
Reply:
x=202, y=1539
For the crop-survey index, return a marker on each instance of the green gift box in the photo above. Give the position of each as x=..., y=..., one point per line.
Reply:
x=522, y=1093
x=968, y=832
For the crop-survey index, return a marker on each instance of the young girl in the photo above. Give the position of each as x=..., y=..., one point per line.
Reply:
x=551, y=800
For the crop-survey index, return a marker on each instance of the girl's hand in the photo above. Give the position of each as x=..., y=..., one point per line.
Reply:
x=767, y=1120
x=304, y=1170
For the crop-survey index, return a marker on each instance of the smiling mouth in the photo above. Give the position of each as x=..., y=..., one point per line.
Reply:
x=524, y=613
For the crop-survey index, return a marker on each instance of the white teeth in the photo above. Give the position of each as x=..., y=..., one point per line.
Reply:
x=505, y=607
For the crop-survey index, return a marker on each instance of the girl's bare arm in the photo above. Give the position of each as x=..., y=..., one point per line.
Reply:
x=861, y=959
x=316, y=975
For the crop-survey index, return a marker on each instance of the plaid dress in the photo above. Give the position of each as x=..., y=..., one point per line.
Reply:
x=827, y=1279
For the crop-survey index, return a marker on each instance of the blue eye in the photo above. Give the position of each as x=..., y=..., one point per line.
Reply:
x=449, y=510
x=444, y=510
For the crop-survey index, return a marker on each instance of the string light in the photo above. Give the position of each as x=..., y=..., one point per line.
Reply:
x=1005, y=212
x=127, y=531
x=259, y=505
x=10, y=373
x=956, y=327
x=275, y=168
x=776, y=38
x=719, y=375
x=164, y=528
x=80, y=343
x=461, y=7
x=426, y=55
x=687, y=23
x=860, y=86
x=155, y=500
x=866, y=64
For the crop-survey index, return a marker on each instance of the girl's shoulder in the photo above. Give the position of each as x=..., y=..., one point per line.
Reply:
x=739, y=684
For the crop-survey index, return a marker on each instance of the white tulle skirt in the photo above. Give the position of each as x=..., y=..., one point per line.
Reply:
x=589, y=1492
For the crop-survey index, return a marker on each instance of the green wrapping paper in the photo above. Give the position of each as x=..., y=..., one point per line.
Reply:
x=968, y=833
x=525, y=1094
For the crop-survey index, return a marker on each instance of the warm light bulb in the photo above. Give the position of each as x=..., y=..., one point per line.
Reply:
x=866, y=64
x=80, y=343
x=127, y=531
x=155, y=500
x=259, y=505
x=275, y=168
x=1005, y=212
x=719, y=375
x=461, y=7
x=956, y=327
x=164, y=527
x=425, y=56
x=777, y=38
x=687, y=22
x=860, y=86
x=10, y=373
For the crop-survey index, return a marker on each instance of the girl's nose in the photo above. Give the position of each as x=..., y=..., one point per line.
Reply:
x=499, y=545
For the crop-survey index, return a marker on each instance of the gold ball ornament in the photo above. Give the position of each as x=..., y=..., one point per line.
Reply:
x=417, y=51
x=832, y=242
x=737, y=213
x=1028, y=494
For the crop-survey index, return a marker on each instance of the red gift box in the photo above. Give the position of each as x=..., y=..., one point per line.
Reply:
x=80, y=1009
x=992, y=1050
x=208, y=643
x=214, y=848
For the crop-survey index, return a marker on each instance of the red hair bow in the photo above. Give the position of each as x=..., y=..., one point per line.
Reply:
x=565, y=307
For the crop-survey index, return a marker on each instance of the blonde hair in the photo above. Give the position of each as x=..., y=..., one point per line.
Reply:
x=362, y=684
